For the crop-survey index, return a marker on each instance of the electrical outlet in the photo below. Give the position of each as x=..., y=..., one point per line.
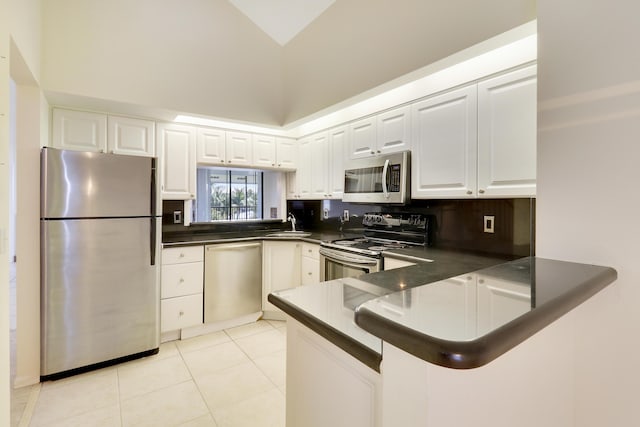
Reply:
x=345, y=215
x=489, y=223
x=325, y=213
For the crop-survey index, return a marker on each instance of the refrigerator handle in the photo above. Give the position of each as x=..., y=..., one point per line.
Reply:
x=153, y=188
x=152, y=239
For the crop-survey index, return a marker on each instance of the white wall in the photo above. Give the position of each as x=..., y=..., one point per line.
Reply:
x=25, y=27
x=356, y=45
x=588, y=200
x=4, y=215
x=196, y=56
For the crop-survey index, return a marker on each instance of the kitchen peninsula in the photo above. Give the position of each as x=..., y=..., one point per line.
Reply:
x=437, y=344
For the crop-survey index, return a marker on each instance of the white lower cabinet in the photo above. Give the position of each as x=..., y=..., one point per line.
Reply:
x=327, y=386
x=180, y=312
x=310, y=263
x=181, y=293
x=280, y=270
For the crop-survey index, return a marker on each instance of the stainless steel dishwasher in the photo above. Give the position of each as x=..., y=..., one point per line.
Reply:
x=232, y=280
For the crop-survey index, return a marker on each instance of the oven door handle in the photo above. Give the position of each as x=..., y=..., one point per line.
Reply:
x=385, y=171
x=347, y=260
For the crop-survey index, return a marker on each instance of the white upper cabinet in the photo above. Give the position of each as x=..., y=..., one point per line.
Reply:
x=394, y=130
x=239, y=149
x=387, y=132
x=299, y=183
x=211, y=146
x=338, y=142
x=177, y=150
x=79, y=130
x=507, y=134
x=319, y=162
x=270, y=152
x=264, y=151
x=362, y=138
x=83, y=131
x=286, y=153
x=134, y=137
x=444, y=155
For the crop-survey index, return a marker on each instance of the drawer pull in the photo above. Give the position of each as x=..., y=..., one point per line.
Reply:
x=181, y=254
x=181, y=313
x=181, y=280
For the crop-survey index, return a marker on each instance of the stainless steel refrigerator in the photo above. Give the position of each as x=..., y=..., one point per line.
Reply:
x=100, y=287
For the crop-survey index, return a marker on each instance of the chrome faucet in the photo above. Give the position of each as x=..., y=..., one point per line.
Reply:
x=292, y=218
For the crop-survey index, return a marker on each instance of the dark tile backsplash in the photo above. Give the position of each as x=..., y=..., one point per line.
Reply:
x=456, y=224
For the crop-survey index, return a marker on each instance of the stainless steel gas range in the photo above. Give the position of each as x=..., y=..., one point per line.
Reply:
x=361, y=255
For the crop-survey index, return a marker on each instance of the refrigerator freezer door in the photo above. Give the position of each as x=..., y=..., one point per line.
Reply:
x=100, y=291
x=77, y=184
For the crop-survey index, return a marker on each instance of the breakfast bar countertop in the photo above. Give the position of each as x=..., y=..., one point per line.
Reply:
x=454, y=314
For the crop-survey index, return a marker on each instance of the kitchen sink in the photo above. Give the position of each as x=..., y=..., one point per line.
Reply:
x=289, y=234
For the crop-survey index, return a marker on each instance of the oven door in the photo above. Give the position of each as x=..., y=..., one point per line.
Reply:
x=336, y=264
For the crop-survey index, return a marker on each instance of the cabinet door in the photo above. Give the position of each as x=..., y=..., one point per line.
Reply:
x=239, y=149
x=78, y=130
x=293, y=190
x=180, y=312
x=362, y=138
x=394, y=130
x=507, y=134
x=303, y=173
x=177, y=146
x=287, y=153
x=133, y=137
x=181, y=279
x=319, y=164
x=281, y=269
x=443, y=163
x=211, y=146
x=264, y=151
x=338, y=140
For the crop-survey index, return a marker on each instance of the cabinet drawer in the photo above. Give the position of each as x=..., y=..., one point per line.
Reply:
x=182, y=279
x=180, y=312
x=310, y=271
x=310, y=250
x=182, y=254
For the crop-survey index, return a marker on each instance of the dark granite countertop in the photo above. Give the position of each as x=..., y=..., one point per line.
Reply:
x=471, y=319
x=328, y=308
x=187, y=239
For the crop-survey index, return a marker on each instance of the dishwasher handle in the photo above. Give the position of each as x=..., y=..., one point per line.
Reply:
x=232, y=246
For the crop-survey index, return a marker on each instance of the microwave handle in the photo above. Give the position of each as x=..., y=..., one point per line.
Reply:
x=385, y=170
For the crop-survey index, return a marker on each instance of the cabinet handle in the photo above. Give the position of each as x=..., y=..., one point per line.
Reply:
x=481, y=191
x=221, y=160
x=279, y=165
x=181, y=280
x=181, y=313
x=181, y=255
x=469, y=192
x=229, y=161
x=379, y=151
x=373, y=152
x=309, y=273
x=192, y=196
x=273, y=164
x=309, y=250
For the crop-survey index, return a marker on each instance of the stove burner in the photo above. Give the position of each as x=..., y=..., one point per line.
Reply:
x=377, y=248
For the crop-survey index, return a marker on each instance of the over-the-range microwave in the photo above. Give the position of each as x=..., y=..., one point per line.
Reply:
x=380, y=179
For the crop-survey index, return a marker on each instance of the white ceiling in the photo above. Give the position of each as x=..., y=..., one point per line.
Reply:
x=282, y=20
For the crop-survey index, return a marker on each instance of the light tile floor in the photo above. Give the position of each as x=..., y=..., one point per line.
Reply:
x=234, y=377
